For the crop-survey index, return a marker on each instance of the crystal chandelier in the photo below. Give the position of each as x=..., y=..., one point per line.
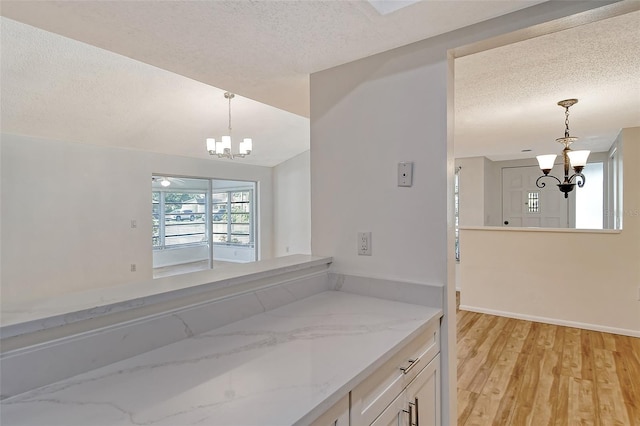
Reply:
x=222, y=148
x=575, y=159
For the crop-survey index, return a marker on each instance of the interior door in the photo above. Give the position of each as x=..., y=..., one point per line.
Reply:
x=526, y=205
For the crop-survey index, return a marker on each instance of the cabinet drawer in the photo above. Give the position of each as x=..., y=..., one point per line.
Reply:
x=377, y=391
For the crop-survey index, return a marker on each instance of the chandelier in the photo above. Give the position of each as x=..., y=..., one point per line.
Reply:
x=575, y=159
x=222, y=148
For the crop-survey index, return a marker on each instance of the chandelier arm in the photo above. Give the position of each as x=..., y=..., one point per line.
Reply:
x=580, y=182
x=542, y=184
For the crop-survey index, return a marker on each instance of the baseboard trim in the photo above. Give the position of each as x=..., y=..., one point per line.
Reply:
x=554, y=321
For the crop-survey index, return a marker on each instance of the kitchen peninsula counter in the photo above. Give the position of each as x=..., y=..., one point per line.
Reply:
x=281, y=367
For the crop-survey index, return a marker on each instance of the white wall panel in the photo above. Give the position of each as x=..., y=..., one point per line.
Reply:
x=67, y=210
x=292, y=206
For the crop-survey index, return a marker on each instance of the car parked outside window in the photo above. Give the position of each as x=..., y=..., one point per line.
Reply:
x=184, y=214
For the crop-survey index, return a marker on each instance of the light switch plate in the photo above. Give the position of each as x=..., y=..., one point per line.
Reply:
x=405, y=173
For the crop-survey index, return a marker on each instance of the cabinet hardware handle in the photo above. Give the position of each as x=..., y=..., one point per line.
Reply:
x=412, y=363
x=410, y=418
x=412, y=407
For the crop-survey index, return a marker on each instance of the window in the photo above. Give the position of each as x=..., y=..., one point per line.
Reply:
x=198, y=223
x=533, y=202
x=232, y=213
x=182, y=221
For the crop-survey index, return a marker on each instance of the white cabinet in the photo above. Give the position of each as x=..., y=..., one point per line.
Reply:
x=419, y=403
x=392, y=382
x=423, y=396
x=403, y=391
x=395, y=414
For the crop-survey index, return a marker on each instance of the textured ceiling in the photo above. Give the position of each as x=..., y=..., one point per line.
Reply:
x=57, y=88
x=263, y=50
x=505, y=98
x=60, y=88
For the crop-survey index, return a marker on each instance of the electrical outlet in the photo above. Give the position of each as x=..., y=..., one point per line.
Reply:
x=364, y=243
x=134, y=223
x=133, y=267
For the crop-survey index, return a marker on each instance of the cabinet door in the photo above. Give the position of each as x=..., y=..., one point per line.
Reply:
x=423, y=395
x=396, y=414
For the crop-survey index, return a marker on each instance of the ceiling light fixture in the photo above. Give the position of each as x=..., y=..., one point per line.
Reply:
x=222, y=148
x=163, y=181
x=575, y=159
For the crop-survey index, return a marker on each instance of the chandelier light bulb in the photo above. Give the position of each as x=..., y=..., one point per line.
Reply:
x=226, y=142
x=578, y=158
x=546, y=162
x=211, y=145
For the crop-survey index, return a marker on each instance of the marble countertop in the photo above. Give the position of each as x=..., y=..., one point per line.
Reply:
x=69, y=308
x=282, y=367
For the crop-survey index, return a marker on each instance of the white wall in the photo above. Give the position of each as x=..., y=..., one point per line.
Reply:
x=472, y=191
x=67, y=210
x=292, y=206
x=180, y=255
x=492, y=195
x=584, y=279
x=368, y=115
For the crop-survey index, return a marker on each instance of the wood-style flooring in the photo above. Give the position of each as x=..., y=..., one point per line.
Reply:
x=514, y=372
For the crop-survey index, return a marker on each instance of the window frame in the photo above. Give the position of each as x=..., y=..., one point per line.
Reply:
x=229, y=215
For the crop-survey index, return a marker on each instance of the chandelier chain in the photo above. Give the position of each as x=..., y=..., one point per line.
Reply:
x=566, y=122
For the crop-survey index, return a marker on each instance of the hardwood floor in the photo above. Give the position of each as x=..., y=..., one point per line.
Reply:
x=515, y=372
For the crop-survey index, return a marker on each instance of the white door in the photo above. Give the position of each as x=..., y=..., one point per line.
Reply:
x=526, y=205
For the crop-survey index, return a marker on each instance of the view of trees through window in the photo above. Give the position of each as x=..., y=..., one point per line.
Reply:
x=202, y=220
